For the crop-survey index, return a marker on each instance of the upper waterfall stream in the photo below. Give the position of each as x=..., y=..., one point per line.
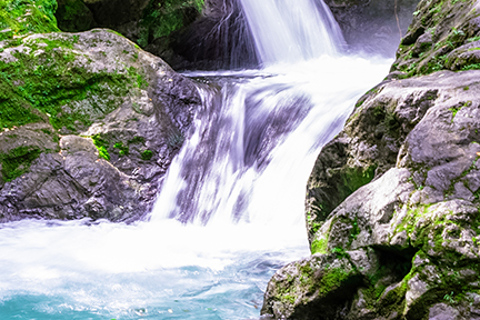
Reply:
x=230, y=212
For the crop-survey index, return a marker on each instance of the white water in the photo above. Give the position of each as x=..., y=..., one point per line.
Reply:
x=249, y=163
x=290, y=31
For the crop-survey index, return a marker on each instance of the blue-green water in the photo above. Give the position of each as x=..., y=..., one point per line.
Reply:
x=184, y=293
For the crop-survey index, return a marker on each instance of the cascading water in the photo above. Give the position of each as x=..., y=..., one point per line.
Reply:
x=288, y=32
x=231, y=208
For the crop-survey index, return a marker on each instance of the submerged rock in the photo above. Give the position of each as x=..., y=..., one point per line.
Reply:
x=90, y=125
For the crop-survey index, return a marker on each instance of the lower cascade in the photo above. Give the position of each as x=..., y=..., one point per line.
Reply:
x=231, y=207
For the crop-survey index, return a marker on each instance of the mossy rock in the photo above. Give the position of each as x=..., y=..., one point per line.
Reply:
x=21, y=17
x=419, y=220
x=87, y=119
x=439, y=27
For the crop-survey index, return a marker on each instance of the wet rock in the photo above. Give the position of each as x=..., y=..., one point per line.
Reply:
x=90, y=128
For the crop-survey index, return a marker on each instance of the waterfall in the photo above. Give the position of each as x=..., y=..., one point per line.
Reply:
x=230, y=212
x=289, y=31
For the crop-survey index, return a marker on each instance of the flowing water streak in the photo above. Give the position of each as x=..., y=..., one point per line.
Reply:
x=290, y=31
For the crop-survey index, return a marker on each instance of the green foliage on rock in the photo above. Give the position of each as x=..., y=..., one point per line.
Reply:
x=147, y=154
x=20, y=17
x=17, y=162
x=163, y=17
x=102, y=146
x=48, y=78
x=438, y=40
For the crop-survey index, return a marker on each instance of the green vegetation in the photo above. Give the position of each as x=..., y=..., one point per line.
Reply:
x=147, y=155
x=332, y=280
x=47, y=76
x=458, y=108
x=17, y=162
x=122, y=150
x=319, y=246
x=102, y=146
x=21, y=17
x=312, y=223
x=164, y=17
x=347, y=182
x=429, y=55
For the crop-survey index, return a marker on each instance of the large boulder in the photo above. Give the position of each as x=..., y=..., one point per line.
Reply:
x=90, y=123
x=405, y=245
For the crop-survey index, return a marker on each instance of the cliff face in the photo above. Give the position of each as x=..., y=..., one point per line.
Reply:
x=373, y=26
x=90, y=122
x=393, y=201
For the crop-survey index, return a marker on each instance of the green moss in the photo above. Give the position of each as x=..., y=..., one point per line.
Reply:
x=17, y=162
x=349, y=180
x=164, y=17
x=20, y=17
x=436, y=17
x=455, y=109
x=332, y=280
x=410, y=221
x=47, y=77
x=102, y=146
x=147, y=155
x=122, y=150
x=136, y=139
x=288, y=298
x=312, y=224
x=473, y=66
x=319, y=246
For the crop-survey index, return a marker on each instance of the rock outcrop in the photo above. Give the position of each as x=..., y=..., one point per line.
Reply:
x=373, y=26
x=393, y=206
x=90, y=122
x=444, y=35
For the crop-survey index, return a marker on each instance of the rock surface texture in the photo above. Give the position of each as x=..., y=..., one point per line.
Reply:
x=393, y=201
x=373, y=26
x=90, y=123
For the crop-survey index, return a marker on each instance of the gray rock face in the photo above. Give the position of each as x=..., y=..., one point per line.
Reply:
x=409, y=237
x=374, y=26
x=132, y=119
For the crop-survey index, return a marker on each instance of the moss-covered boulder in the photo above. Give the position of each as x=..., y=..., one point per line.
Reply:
x=90, y=123
x=19, y=17
x=409, y=238
x=442, y=36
